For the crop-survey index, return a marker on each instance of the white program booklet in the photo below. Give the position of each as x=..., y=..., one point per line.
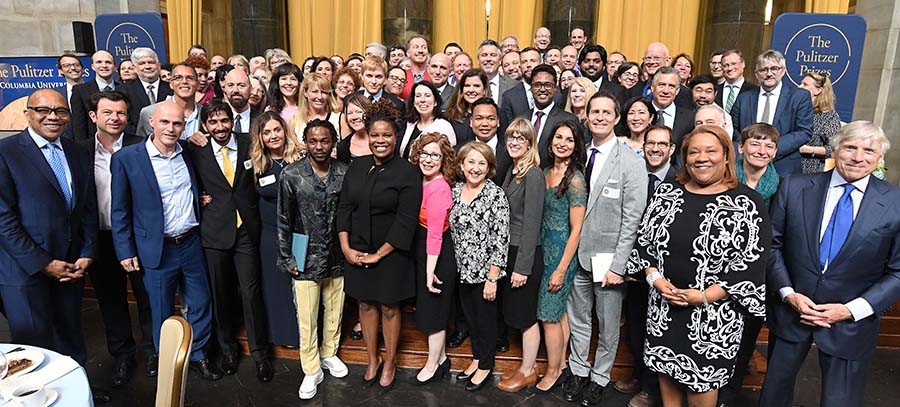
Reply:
x=600, y=263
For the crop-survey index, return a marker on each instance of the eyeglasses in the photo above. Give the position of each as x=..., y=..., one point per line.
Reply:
x=654, y=144
x=396, y=79
x=627, y=75
x=516, y=140
x=183, y=78
x=652, y=59
x=543, y=85
x=430, y=156
x=772, y=69
x=71, y=65
x=45, y=111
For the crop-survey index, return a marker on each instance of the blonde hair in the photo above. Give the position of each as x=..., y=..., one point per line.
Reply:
x=589, y=91
x=826, y=100
x=485, y=151
x=530, y=158
x=298, y=122
x=259, y=154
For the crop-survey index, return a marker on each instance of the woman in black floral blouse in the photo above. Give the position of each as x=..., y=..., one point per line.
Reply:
x=479, y=225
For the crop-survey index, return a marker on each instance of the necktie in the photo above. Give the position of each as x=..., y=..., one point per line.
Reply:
x=59, y=170
x=651, y=186
x=838, y=228
x=537, y=123
x=372, y=98
x=228, y=170
x=237, y=124
x=590, y=166
x=150, y=94
x=648, y=91
x=731, y=95
x=108, y=88
x=661, y=118
x=765, y=115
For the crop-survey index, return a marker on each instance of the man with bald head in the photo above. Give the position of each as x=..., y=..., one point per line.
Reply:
x=155, y=213
x=237, y=94
x=45, y=248
x=542, y=40
x=439, y=69
x=104, y=67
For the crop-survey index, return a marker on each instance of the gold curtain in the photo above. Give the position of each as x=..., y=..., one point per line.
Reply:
x=459, y=21
x=518, y=17
x=324, y=28
x=628, y=26
x=828, y=6
x=184, y=17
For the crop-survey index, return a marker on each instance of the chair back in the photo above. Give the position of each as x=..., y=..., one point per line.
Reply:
x=175, y=339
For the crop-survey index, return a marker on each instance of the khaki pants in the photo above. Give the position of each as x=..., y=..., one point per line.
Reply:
x=307, y=297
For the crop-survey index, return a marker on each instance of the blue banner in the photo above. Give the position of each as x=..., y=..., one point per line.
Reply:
x=120, y=34
x=20, y=76
x=826, y=43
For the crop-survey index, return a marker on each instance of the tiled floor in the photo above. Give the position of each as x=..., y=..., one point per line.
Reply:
x=242, y=389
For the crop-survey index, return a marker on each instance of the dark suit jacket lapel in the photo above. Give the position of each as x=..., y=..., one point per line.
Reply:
x=195, y=186
x=782, y=105
x=69, y=148
x=871, y=209
x=243, y=152
x=754, y=102
x=36, y=158
x=206, y=161
x=143, y=160
x=813, y=197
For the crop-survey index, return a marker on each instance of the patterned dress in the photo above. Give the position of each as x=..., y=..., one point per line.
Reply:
x=555, y=231
x=696, y=241
x=825, y=125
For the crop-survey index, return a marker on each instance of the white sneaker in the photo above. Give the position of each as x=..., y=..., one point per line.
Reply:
x=335, y=367
x=310, y=384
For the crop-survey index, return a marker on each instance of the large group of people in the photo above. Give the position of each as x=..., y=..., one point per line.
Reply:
x=552, y=191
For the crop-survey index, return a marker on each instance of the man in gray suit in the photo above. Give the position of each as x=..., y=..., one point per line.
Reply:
x=489, y=62
x=439, y=70
x=617, y=195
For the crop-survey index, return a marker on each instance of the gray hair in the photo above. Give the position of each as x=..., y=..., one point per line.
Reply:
x=861, y=130
x=664, y=70
x=381, y=48
x=143, y=52
x=770, y=56
x=726, y=118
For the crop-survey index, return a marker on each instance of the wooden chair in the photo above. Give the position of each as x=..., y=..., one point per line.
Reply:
x=175, y=341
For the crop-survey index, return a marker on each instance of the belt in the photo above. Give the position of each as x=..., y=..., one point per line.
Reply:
x=179, y=239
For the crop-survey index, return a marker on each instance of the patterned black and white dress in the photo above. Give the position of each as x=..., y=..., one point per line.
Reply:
x=696, y=241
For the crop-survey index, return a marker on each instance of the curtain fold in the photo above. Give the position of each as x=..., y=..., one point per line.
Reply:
x=628, y=26
x=464, y=23
x=518, y=17
x=325, y=28
x=828, y=6
x=185, y=27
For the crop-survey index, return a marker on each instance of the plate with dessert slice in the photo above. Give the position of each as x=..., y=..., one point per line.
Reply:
x=23, y=362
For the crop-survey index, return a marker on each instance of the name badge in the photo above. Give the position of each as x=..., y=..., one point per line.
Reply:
x=611, y=193
x=248, y=164
x=267, y=180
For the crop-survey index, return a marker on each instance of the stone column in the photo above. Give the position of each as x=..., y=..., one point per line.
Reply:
x=561, y=15
x=257, y=25
x=402, y=18
x=734, y=24
x=879, y=76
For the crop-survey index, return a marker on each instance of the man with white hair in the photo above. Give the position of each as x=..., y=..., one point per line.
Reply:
x=835, y=268
x=713, y=115
x=147, y=90
x=376, y=49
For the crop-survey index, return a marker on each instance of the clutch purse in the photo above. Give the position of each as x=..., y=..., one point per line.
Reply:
x=298, y=248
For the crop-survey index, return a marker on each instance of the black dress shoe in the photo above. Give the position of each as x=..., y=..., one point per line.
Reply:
x=442, y=370
x=464, y=377
x=121, y=373
x=230, y=363
x=356, y=335
x=471, y=386
x=100, y=396
x=152, y=367
x=206, y=369
x=264, y=370
x=456, y=339
x=502, y=345
x=573, y=388
x=593, y=395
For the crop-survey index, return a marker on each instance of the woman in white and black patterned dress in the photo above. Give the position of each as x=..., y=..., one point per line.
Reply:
x=704, y=243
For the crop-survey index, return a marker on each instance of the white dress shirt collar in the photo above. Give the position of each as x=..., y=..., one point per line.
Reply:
x=41, y=141
x=101, y=84
x=154, y=152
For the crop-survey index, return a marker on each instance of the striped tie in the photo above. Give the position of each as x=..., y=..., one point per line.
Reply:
x=59, y=170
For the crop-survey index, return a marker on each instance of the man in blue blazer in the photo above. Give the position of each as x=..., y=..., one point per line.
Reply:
x=787, y=108
x=48, y=228
x=155, y=215
x=835, y=269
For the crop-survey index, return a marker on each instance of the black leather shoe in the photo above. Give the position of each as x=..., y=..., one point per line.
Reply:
x=152, y=368
x=356, y=335
x=573, y=388
x=230, y=363
x=264, y=370
x=456, y=339
x=206, y=370
x=471, y=386
x=100, y=396
x=121, y=372
x=502, y=345
x=593, y=395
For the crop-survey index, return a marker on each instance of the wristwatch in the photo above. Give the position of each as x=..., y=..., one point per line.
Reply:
x=493, y=280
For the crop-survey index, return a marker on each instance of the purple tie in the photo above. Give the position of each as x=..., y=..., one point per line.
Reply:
x=537, y=124
x=590, y=166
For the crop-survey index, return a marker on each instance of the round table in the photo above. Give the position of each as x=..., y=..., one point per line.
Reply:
x=73, y=387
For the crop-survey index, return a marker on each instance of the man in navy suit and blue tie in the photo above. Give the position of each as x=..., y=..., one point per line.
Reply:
x=787, y=108
x=835, y=269
x=155, y=217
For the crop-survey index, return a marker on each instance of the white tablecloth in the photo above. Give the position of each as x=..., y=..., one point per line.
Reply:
x=73, y=387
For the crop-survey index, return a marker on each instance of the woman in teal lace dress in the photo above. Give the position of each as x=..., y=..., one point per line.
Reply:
x=564, y=205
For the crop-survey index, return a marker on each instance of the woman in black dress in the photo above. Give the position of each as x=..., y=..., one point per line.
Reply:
x=273, y=148
x=376, y=224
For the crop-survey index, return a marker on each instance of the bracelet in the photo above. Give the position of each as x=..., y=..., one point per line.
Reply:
x=703, y=294
x=652, y=277
x=493, y=280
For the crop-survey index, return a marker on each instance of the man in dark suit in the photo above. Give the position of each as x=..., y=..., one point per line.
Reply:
x=732, y=62
x=104, y=67
x=230, y=234
x=592, y=62
x=787, y=108
x=485, y=126
x=658, y=148
x=489, y=62
x=439, y=70
x=139, y=92
x=666, y=87
x=155, y=211
x=835, y=269
x=519, y=101
x=546, y=112
x=108, y=111
x=48, y=230
x=237, y=94
x=374, y=72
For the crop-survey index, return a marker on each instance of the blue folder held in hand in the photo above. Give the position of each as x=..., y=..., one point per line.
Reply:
x=298, y=248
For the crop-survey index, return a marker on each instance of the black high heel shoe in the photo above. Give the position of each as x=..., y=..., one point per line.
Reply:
x=471, y=386
x=369, y=382
x=439, y=373
x=356, y=335
x=464, y=377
